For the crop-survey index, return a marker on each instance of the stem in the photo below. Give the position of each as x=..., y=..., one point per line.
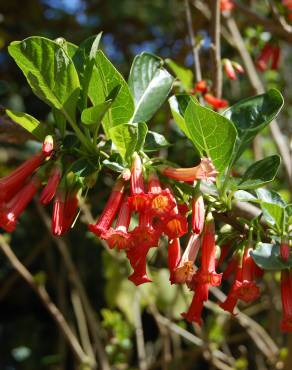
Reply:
x=216, y=34
x=46, y=300
x=197, y=66
x=139, y=332
x=83, y=139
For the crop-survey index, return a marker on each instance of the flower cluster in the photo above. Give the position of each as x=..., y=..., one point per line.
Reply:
x=269, y=57
x=156, y=209
x=231, y=68
x=202, y=88
x=19, y=187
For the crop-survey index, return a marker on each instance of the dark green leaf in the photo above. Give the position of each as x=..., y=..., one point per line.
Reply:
x=150, y=85
x=154, y=142
x=251, y=115
x=115, y=166
x=125, y=138
x=267, y=256
x=82, y=168
x=185, y=75
x=213, y=135
x=104, y=79
x=49, y=71
x=260, y=173
x=29, y=123
x=60, y=121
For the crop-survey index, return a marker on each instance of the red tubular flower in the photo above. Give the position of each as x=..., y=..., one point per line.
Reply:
x=161, y=202
x=194, y=312
x=275, y=58
x=50, y=189
x=229, y=69
x=201, y=87
x=10, y=212
x=138, y=200
x=10, y=184
x=206, y=273
x=231, y=267
x=137, y=256
x=286, y=295
x=70, y=210
x=144, y=233
x=183, y=271
x=204, y=171
x=118, y=236
x=238, y=67
x=269, y=54
x=216, y=103
x=48, y=145
x=175, y=225
x=284, y=249
x=198, y=214
x=226, y=5
x=174, y=256
x=58, y=213
x=109, y=212
x=244, y=287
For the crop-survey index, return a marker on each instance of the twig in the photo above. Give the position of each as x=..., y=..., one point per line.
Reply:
x=139, y=332
x=216, y=48
x=259, y=89
x=45, y=298
x=82, y=325
x=74, y=278
x=279, y=28
x=195, y=51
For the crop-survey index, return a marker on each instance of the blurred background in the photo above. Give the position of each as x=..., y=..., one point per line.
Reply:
x=29, y=339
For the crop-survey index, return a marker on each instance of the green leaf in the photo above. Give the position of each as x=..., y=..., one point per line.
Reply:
x=260, y=173
x=244, y=196
x=125, y=139
x=272, y=206
x=185, y=75
x=104, y=79
x=267, y=256
x=142, y=133
x=213, y=135
x=82, y=167
x=60, y=121
x=251, y=115
x=94, y=115
x=29, y=123
x=178, y=105
x=49, y=71
x=115, y=166
x=150, y=85
x=154, y=142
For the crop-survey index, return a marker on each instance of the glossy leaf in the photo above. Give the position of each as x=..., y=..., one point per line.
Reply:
x=178, y=105
x=29, y=123
x=94, y=115
x=244, y=196
x=114, y=166
x=105, y=78
x=150, y=85
x=272, y=206
x=125, y=138
x=212, y=134
x=154, y=142
x=49, y=71
x=251, y=115
x=185, y=75
x=260, y=173
x=267, y=256
x=82, y=167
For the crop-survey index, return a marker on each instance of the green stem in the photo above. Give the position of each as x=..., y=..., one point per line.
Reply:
x=87, y=144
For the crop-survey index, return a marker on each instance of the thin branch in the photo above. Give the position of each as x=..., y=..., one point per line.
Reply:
x=74, y=278
x=46, y=300
x=82, y=324
x=195, y=50
x=139, y=332
x=216, y=48
x=258, y=86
